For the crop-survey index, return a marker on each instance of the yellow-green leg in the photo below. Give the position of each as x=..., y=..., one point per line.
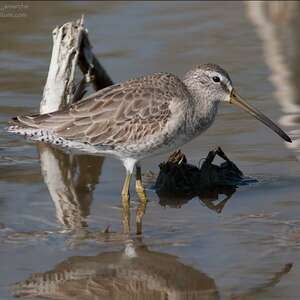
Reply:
x=126, y=204
x=143, y=200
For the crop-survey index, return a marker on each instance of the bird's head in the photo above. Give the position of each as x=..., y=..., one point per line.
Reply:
x=212, y=83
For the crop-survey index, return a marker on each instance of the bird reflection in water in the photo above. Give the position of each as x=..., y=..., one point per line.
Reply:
x=136, y=272
x=132, y=273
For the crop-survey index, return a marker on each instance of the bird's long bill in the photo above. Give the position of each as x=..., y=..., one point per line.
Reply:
x=237, y=100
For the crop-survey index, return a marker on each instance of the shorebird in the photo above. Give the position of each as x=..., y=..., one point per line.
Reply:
x=139, y=118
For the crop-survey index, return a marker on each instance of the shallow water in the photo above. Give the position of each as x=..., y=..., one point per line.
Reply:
x=250, y=249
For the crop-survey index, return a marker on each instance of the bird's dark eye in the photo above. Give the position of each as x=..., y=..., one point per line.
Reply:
x=216, y=79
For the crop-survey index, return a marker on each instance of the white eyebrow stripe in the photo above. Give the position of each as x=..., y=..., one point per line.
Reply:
x=222, y=77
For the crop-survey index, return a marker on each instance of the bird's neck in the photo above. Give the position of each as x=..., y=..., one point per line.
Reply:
x=203, y=113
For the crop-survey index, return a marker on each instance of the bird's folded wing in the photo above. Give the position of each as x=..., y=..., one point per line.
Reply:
x=120, y=113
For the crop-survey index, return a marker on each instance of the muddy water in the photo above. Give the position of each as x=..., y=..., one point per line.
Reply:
x=52, y=229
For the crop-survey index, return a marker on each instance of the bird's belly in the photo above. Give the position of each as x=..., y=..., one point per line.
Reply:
x=152, y=147
x=173, y=143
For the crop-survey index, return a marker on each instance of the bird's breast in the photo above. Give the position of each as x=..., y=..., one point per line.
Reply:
x=201, y=120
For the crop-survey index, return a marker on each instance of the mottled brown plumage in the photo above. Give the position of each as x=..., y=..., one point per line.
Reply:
x=120, y=114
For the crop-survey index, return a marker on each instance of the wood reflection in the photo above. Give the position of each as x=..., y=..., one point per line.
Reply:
x=71, y=180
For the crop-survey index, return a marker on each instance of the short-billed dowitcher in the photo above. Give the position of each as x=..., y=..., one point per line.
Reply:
x=140, y=117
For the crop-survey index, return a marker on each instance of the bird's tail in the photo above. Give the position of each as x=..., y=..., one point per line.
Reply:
x=29, y=127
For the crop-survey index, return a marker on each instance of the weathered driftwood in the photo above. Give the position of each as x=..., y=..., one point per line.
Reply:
x=71, y=179
x=90, y=65
x=71, y=48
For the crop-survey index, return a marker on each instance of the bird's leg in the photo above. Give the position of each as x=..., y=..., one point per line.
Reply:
x=126, y=203
x=143, y=200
